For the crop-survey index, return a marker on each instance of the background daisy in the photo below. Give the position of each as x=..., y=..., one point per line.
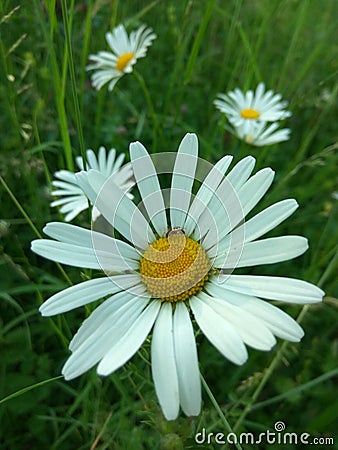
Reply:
x=109, y=67
x=72, y=200
x=259, y=106
x=261, y=133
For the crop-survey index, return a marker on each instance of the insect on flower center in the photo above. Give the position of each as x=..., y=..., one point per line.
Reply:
x=250, y=113
x=123, y=61
x=174, y=268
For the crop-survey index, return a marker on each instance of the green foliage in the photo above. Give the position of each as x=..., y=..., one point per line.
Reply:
x=49, y=112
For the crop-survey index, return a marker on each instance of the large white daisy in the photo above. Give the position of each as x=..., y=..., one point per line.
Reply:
x=262, y=106
x=174, y=266
x=259, y=134
x=125, y=51
x=72, y=198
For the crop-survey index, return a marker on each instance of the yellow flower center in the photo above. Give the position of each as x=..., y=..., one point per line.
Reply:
x=174, y=268
x=123, y=60
x=250, y=114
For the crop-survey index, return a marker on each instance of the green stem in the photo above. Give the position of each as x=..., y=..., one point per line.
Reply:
x=198, y=41
x=218, y=409
x=20, y=208
x=28, y=388
x=73, y=80
x=30, y=223
x=297, y=390
x=59, y=94
x=331, y=266
x=85, y=50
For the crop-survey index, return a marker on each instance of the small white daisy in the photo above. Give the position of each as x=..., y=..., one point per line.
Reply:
x=259, y=106
x=261, y=133
x=125, y=51
x=174, y=266
x=73, y=200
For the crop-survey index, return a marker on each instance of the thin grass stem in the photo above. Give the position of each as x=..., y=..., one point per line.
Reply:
x=28, y=388
x=219, y=410
x=59, y=94
x=73, y=80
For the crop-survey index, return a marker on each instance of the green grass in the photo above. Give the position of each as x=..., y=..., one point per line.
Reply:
x=49, y=114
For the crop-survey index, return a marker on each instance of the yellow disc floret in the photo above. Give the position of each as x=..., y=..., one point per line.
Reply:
x=250, y=114
x=123, y=60
x=174, y=268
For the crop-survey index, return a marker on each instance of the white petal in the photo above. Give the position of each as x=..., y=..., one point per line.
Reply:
x=117, y=208
x=87, y=292
x=230, y=206
x=183, y=179
x=65, y=175
x=250, y=328
x=206, y=192
x=105, y=332
x=186, y=362
x=83, y=182
x=69, y=199
x=163, y=363
x=80, y=204
x=72, y=234
x=254, y=189
x=288, y=290
x=280, y=323
x=65, y=187
x=136, y=294
x=219, y=332
x=258, y=225
x=124, y=348
x=69, y=254
x=241, y=172
x=149, y=186
x=265, y=251
x=92, y=162
x=77, y=256
x=74, y=212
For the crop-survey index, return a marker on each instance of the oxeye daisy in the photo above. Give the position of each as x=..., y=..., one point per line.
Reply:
x=261, y=133
x=175, y=264
x=259, y=106
x=125, y=51
x=71, y=197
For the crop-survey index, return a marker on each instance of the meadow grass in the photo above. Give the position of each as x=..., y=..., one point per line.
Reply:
x=50, y=114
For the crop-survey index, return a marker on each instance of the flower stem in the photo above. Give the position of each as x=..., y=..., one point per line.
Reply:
x=30, y=222
x=73, y=80
x=58, y=84
x=28, y=388
x=218, y=409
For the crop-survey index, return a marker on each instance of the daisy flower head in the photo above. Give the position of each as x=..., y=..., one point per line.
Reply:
x=72, y=199
x=176, y=263
x=239, y=107
x=109, y=67
x=260, y=134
